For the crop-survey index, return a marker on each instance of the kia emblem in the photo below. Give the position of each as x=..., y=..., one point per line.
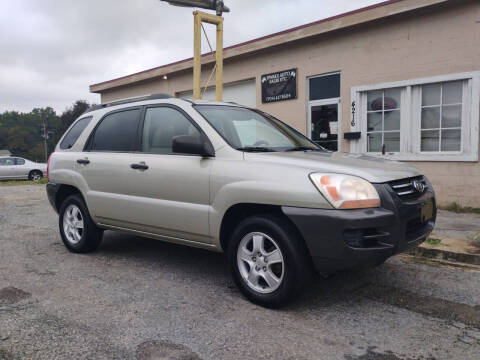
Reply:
x=418, y=185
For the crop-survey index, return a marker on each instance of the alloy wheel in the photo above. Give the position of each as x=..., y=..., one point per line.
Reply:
x=260, y=262
x=73, y=226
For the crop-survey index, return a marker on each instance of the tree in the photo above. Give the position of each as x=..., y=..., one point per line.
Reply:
x=69, y=116
x=23, y=133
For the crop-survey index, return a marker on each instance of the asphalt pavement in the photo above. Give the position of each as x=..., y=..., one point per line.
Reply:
x=137, y=298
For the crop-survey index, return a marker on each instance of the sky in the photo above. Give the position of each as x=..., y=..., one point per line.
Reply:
x=52, y=50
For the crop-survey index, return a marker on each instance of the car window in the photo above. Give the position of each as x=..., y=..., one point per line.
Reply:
x=117, y=132
x=74, y=133
x=7, y=161
x=251, y=130
x=19, y=161
x=161, y=125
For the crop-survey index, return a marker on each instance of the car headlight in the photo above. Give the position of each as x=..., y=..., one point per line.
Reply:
x=346, y=191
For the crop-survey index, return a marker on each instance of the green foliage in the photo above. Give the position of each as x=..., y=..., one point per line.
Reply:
x=455, y=207
x=433, y=241
x=22, y=133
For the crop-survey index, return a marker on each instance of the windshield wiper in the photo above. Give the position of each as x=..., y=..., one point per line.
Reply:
x=304, y=148
x=255, y=149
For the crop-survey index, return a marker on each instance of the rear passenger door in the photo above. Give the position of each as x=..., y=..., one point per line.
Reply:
x=170, y=195
x=106, y=162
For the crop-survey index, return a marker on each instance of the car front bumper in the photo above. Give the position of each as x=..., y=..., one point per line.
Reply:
x=341, y=239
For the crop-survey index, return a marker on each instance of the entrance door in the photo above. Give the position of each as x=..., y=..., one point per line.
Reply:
x=323, y=119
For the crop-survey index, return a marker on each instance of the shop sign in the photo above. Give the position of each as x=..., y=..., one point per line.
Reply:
x=279, y=86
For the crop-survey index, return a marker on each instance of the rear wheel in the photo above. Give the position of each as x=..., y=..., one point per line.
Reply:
x=35, y=175
x=79, y=233
x=268, y=260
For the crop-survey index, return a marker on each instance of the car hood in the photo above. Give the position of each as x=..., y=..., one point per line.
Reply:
x=371, y=168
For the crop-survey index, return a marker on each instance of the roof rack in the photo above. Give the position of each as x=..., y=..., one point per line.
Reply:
x=127, y=101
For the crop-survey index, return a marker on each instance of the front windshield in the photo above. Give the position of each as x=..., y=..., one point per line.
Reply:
x=252, y=130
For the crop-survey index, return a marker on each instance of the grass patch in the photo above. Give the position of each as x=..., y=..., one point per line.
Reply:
x=23, y=182
x=455, y=207
x=433, y=241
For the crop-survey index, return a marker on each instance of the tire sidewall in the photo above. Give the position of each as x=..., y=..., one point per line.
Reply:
x=32, y=174
x=82, y=244
x=292, y=264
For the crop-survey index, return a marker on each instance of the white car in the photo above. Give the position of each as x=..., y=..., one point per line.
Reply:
x=12, y=168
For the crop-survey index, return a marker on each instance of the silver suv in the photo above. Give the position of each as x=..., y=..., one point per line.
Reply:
x=228, y=178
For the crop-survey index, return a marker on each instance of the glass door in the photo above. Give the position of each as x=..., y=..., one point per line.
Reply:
x=323, y=119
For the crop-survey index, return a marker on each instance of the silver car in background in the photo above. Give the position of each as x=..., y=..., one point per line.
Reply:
x=13, y=168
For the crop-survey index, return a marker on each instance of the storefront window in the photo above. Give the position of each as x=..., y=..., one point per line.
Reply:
x=383, y=120
x=441, y=118
x=426, y=119
x=324, y=87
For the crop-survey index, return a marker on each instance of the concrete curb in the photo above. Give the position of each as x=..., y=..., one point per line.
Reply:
x=451, y=250
x=441, y=254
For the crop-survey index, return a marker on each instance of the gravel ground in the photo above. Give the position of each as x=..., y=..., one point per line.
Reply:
x=137, y=298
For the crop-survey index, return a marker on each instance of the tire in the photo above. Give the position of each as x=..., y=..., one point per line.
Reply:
x=254, y=274
x=35, y=175
x=78, y=240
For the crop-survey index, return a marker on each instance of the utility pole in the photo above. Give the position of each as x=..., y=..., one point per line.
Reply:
x=45, y=139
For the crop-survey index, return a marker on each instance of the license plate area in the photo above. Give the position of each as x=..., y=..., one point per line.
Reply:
x=427, y=211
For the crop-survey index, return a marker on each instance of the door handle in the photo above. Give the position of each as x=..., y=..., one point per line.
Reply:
x=139, y=166
x=83, y=161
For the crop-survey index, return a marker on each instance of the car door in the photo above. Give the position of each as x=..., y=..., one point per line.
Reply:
x=7, y=168
x=20, y=170
x=105, y=163
x=170, y=195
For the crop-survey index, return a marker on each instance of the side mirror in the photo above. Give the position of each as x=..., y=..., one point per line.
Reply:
x=186, y=144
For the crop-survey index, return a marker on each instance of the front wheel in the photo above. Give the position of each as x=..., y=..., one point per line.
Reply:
x=268, y=260
x=77, y=229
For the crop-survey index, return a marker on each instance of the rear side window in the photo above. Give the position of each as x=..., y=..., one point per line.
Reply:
x=19, y=161
x=7, y=162
x=74, y=133
x=161, y=125
x=117, y=132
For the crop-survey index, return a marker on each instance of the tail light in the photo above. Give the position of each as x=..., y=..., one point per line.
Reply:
x=48, y=167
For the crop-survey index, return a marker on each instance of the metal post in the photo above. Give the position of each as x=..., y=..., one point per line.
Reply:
x=200, y=17
x=197, y=55
x=219, y=61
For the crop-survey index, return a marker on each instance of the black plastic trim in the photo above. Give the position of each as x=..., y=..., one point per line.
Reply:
x=128, y=101
x=52, y=190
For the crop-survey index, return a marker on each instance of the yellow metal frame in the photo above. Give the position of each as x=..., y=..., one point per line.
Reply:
x=199, y=18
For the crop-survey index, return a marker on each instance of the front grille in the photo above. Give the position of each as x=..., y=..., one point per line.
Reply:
x=404, y=187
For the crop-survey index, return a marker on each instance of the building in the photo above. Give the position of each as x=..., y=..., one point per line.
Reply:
x=5, y=153
x=398, y=80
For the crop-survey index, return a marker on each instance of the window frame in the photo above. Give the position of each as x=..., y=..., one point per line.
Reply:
x=9, y=158
x=410, y=130
x=89, y=142
x=21, y=159
x=70, y=129
x=139, y=139
x=338, y=72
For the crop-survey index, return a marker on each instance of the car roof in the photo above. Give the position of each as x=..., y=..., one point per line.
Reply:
x=152, y=99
